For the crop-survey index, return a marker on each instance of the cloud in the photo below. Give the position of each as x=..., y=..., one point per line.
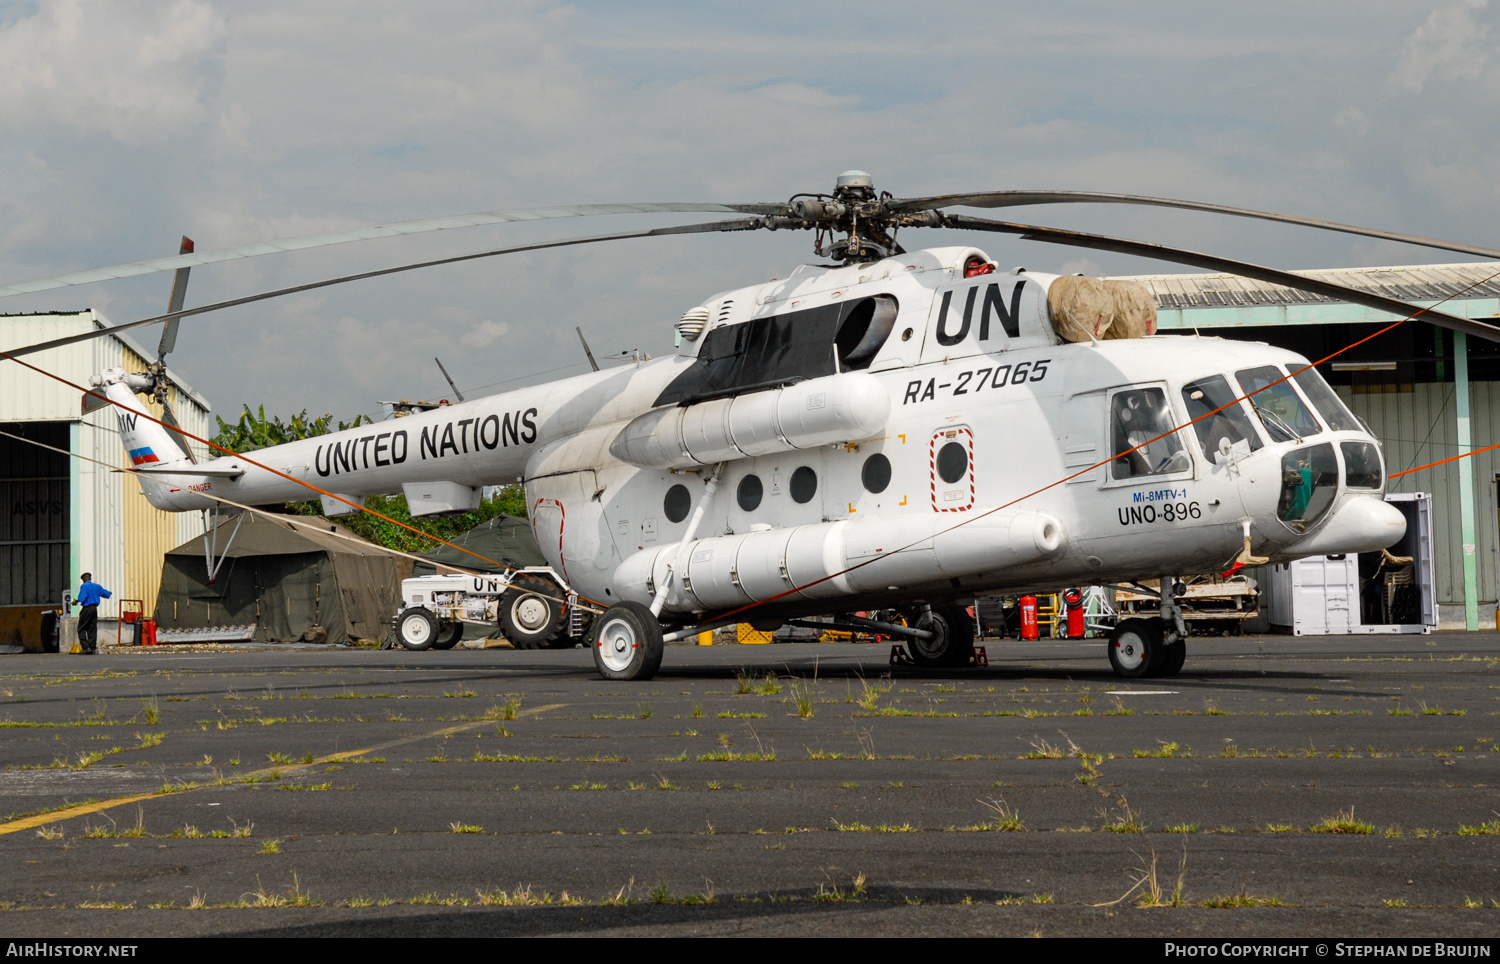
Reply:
x=128, y=69
x=1450, y=45
x=801, y=95
x=1352, y=120
x=486, y=333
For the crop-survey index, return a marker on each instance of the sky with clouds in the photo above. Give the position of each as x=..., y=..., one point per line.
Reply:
x=126, y=124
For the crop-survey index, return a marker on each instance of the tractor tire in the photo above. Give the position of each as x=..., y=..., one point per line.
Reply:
x=417, y=629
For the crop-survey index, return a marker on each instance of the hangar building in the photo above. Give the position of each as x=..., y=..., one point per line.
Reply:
x=65, y=514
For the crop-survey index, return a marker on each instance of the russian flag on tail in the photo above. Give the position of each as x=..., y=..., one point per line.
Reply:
x=142, y=455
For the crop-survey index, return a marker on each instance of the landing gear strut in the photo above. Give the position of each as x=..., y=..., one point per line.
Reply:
x=1174, y=635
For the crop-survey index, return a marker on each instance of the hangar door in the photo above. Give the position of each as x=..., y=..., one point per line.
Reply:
x=34, y=501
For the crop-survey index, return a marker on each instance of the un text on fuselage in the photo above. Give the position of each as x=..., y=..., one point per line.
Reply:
x=994, y=303
x=455, y=437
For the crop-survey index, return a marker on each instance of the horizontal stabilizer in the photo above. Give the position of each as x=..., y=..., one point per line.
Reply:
x=227, y=472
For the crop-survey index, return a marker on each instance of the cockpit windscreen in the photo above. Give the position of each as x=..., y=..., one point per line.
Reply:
x=1279, y=408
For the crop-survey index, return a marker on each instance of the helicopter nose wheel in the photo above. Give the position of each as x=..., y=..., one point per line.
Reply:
x=627, y=643
x=1135, y=648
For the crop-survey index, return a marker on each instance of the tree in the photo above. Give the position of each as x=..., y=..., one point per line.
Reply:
x=510, y=501
x=255, y=431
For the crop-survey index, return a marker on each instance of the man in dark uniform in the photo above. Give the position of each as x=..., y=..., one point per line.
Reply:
x=89, y=595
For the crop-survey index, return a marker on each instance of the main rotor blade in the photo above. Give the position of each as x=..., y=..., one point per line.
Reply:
x=1002, y=199
x=592, y=364
x=1338, y=292
x=449, y=377
x=174, y=303
x=135, y=268
x=744, y=224
x=170, y=417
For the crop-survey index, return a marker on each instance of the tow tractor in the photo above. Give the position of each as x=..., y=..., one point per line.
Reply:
x=534, y=608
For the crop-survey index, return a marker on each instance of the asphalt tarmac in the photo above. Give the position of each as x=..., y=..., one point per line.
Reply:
x=1279, y=786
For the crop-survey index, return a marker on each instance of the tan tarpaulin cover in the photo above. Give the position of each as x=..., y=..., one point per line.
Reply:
x=1083, y=309
x=290, y=576
x=1135, y=310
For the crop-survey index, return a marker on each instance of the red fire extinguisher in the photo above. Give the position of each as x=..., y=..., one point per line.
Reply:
x=1028, y=617
x=1074, y=600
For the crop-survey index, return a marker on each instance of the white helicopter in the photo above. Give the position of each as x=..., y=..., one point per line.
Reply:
x=891, y=432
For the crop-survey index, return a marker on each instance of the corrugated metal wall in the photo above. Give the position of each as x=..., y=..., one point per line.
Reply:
x=1420, y=426
x=116, y=534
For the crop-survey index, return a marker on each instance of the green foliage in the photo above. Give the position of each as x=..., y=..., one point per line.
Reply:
x=510, y=501
x=255, y=431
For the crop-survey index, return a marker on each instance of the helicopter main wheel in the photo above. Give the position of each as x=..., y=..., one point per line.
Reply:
x=529, y=619
x=1172, y=658
x=448, y=635
x=1135, y=648
x=952, y=640
x=627, y=643
x=417, y=629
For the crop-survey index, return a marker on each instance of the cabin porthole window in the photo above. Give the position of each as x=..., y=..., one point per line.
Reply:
x=677, y=503
x=876, y=474
x=803, y=485
x=952, y=462
x=749, y=493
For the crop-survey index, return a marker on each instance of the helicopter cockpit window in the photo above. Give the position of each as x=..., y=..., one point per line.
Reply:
x=1309, y=481
x=1361, y=465
x=1326, y=401
x=1227, y=430
x=1137, y=417
x=1279, y=408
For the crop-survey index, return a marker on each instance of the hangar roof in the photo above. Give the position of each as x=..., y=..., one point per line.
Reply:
x=1422, y=282
x=1230, y=301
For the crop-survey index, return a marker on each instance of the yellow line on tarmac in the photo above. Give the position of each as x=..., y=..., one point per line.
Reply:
x=84, y=809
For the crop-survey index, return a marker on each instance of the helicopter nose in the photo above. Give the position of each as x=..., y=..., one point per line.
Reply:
x=1363, y=524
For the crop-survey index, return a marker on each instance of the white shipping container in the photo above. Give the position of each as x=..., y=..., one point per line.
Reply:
x=1328, y=596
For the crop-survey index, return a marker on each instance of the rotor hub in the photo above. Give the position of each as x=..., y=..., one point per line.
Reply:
x=854, y=210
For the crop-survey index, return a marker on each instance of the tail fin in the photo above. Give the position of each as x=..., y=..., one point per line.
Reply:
x=145, y=441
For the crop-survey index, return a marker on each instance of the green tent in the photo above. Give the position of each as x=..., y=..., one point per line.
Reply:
x=504, y=539
x=294, y=577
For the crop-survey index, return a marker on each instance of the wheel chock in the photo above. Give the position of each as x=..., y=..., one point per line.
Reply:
x=980, y=657
x=899, y=656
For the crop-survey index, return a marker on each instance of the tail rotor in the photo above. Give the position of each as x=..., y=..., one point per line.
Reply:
x=156, y=380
